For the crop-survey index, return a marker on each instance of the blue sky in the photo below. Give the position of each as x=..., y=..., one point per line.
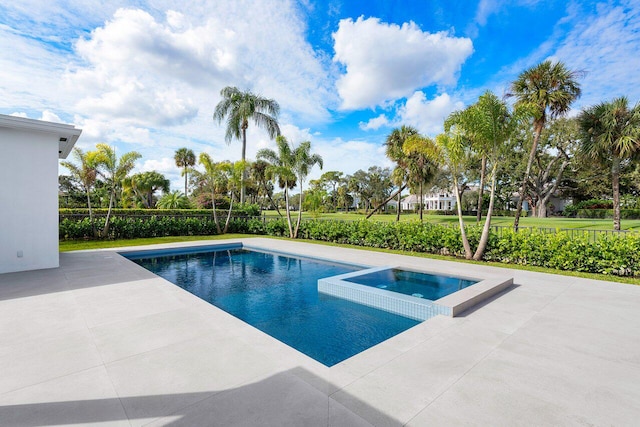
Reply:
x=146, y=75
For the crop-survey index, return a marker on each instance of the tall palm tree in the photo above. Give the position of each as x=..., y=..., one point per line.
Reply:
x=611, y=133
x=86, y=174
x=303, y=162
x=259, y=172
x=238, y=108
x=419, y=165
x=547, y=90
x=114, y=171
x=281, y=167
x=393, y=149
x=185, y=159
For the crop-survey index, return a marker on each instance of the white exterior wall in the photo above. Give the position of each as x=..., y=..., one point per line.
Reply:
x=29, y=196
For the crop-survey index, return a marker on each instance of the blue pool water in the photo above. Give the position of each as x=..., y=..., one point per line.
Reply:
x=278, y=295
x=421, y=285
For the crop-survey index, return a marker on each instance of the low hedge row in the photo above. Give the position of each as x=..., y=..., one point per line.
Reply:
x=247, y=209
x=619, y=255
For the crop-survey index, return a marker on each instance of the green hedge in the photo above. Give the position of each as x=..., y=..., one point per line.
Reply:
x=245, y=210
x=619, y=255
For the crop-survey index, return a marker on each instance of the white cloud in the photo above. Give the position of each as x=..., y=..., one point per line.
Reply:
x=374, y=123
x=427, y=115
x=385, y=62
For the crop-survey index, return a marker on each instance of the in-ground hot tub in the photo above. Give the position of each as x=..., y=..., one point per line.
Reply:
x=414, y=294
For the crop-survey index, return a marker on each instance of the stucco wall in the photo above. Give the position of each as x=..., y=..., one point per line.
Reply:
x=28, y=200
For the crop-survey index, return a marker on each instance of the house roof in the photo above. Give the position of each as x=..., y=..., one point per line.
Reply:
x=67, y=135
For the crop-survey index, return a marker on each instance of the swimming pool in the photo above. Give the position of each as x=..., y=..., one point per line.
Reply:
x=413, y=283
x=278, y=294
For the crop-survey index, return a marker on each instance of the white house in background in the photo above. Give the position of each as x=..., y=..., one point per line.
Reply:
x=435, y=201
x=30, y=150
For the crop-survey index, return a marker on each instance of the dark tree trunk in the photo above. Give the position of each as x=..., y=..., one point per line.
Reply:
x=388, y=199
x=615, y=181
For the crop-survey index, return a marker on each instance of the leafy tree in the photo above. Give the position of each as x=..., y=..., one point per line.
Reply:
x=238, y=108
x=145, y=184
x=611, y=134
x=558, y=144
x=262, y=177
x=85, y=173
x=185, y=159
x=333, y=179
x=547, y=90
x=393, y=149
x=233, y=174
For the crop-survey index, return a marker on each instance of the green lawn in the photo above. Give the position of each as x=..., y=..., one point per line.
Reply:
x=554, y=222
x=77, y=245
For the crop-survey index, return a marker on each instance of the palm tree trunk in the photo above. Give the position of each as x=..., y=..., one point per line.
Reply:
x=295, y=233
x=226, y=224
x=185, y=181
x=399, y=206
x=484, y=238
x=615, y=181
x=463, y=233
x=527, y=173
x=105, y=230
x=483, y=167
x=400, y=190
x=272, y=202
x=213, y=207
x=244, y=153
x=421, y=201
x=93, y=227
x=286, y=201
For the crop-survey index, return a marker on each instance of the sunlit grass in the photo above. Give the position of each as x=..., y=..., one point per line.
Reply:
x=553, y=222
x=77, y=245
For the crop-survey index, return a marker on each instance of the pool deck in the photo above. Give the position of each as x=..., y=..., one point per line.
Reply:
x=102, y=341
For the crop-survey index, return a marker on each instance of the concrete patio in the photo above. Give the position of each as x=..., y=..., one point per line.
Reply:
x=102, y=341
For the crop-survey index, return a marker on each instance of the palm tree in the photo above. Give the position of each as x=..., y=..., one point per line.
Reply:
x=173, y=200
x=419, y=166
x=145, y=184
x=611, y=133
x=547, y=90
x=261, y=175
x=488, y=125
x=239, y=107
x=185, y=158
x=393, y=149
x=303, y=162
x=114, y=171
x=213, y=178
x=86, y=174
x=281, y=167
x=233, y=174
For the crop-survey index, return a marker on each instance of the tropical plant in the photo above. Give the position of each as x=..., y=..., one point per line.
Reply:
x=86, y=174
x=546, y=90
x=145, y=184
x=214, y=180
x=393, y=149
x=611, y=134
x=281, y=167
x=303, y=162
x=238, y=108
x=173, y=200
x=114, y=171
x=262, y=177
x=420, y=167
x=185, y=159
